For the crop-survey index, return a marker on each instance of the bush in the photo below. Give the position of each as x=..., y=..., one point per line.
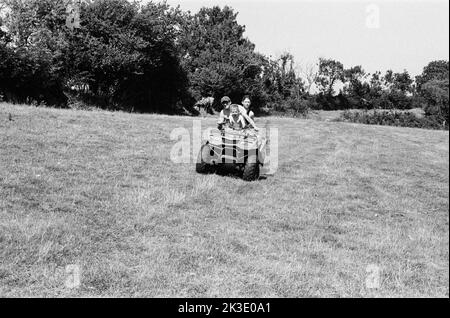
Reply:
x=298, y=106
x=30, y=76
x=329, y=102
x=392, y=118
x=292, y=106
x=435, y=93
x=393, y=100
x=122, y=56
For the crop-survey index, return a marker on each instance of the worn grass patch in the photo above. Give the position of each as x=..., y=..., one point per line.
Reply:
x=98, y=190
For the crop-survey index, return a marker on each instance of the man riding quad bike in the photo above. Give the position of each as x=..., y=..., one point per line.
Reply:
x=234, y=146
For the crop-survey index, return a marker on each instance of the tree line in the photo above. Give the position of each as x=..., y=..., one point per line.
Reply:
x=152, y=57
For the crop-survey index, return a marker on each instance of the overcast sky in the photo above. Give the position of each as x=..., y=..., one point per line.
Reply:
x=378, y=35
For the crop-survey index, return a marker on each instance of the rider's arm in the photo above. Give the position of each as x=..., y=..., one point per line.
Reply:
x=221, y=120
x=244, y=114
x=242, y=121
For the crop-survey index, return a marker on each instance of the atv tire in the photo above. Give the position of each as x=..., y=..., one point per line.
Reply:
x=251, y=169
x=202, y=165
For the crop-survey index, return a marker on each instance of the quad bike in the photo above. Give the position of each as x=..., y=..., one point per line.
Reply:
x=242, y=150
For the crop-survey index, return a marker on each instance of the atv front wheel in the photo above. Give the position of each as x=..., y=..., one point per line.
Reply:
x=202, y=165
x=251, y=169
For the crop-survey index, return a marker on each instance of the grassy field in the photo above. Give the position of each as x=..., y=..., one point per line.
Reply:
x=98, y=190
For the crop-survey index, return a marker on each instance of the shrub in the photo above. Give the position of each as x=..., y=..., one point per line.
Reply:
x=435, y=92
x=392, y=118
x=298, y=106
x=30, y=76
x=292, y=106
x=329, y=102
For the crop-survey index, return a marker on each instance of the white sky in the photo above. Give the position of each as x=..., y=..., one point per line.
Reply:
x=409, y=34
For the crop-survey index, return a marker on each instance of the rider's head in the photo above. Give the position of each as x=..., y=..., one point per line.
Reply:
x=234, y=110
x=225, y=101
x=246, y=101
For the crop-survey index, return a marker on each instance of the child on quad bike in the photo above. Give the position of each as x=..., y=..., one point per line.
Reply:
x=236, y=120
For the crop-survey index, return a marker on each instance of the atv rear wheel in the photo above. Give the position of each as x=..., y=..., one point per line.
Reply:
x=202, y=165
x=251, y=169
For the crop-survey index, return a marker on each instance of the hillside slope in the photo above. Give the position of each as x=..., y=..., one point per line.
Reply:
x=98, y=190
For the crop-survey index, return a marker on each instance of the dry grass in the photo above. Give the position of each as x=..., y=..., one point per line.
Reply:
x=97, y=189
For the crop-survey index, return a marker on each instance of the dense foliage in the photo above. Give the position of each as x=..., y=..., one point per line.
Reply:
x=121, y=56
x=392, y=118
x=117, y=54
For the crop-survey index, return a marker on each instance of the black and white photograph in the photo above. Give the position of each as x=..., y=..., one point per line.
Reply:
x=224, y=153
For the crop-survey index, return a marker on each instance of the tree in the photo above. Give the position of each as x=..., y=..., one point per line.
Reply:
x=433, y=88
x=391, y=91
x=29, y=77
x=289, y=83
x=402, y=82
x=435, y=70
x=357, y=89
x=218, y=59
x=376, y=85
x=309, y=72
x=33, y=22
x=31, y=70
x=436, y=94
x=123, y=55
x=330, y=72
x=132, y=58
